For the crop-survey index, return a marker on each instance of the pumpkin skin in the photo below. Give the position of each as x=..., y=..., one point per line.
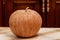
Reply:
x=25, y=23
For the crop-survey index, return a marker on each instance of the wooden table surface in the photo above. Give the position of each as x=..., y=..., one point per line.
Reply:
x=43, y=34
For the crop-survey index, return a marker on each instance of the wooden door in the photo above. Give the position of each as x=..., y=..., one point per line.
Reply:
x=0, y=12
x=12, y=5
x=53, y=16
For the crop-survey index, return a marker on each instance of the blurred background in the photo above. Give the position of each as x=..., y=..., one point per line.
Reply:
x=48, y=9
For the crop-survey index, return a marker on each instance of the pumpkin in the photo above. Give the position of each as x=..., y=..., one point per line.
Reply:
x=25, y=23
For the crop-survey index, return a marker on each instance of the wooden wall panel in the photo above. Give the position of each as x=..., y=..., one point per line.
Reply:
x=0, y=12
x=23, y=6
x=57, y=13
x=25, y=0
x=44, y=13
x=8, y=10
x=51, y=15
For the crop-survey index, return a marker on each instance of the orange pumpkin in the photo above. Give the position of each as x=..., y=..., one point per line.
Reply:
x=25, y=23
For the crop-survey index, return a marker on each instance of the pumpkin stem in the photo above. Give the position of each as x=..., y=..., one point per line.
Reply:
x=26, y=9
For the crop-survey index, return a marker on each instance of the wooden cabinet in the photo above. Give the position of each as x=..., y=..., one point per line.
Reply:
x=53, y=16
x=50, y=18
x=12, y=5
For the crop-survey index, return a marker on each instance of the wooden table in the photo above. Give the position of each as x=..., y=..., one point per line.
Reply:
x=43, y=34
